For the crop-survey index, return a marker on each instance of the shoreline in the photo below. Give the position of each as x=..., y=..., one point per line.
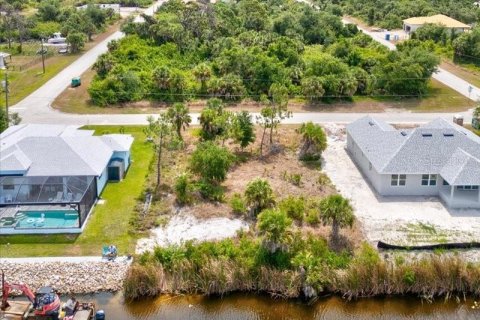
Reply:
x=81, y=275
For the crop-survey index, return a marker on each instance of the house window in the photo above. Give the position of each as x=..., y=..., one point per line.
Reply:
x=429, y=179
x=467, y=187
x=445, y=183
x=8, y=187
x=398, y=180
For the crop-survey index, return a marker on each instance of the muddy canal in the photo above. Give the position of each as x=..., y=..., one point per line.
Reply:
x=252, y=307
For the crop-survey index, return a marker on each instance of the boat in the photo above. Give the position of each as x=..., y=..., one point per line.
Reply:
x=44, y=304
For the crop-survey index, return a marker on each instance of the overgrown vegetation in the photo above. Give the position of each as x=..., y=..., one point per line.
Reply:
x=252, y=49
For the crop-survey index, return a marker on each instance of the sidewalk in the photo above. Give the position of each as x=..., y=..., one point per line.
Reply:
x=120, y=259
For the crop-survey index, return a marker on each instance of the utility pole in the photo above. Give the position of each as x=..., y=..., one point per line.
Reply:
x=43, y=57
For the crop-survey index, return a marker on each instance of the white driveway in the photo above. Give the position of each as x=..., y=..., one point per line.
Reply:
x=397, y=220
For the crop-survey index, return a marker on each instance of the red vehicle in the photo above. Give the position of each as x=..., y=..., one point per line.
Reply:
x=45, y=301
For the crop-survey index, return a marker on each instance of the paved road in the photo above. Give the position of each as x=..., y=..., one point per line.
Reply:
x=36, y=107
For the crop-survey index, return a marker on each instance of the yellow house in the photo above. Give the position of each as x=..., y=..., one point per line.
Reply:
x=412, y=24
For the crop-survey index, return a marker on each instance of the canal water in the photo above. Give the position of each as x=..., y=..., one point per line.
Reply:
x=254, y=307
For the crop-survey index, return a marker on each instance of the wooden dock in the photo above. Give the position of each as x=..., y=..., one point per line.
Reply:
x=18, y=310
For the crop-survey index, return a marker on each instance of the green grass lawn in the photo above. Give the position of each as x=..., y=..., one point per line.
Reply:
x=439, y=98
x=108, y=223
x=22, y=83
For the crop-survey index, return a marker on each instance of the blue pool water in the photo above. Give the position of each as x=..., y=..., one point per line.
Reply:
x=47, y=219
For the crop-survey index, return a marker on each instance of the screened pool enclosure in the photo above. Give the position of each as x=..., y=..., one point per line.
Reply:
x=76, y=193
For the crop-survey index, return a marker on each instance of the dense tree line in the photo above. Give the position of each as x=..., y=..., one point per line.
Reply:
x=242, y=50
x=51, y=16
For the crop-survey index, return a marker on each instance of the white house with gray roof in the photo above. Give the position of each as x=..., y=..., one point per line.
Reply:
x=439, y=158
x=57, y=171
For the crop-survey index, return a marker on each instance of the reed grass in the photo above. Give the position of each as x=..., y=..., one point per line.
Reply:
x=219, y=268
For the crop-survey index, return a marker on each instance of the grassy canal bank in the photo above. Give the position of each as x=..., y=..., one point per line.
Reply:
x=307, y=269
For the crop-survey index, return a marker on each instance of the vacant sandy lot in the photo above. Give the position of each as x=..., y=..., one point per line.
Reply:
x=396, y=220
x=185, y=227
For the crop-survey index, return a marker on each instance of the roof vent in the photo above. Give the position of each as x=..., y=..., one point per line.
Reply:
x=371, y=123
x=403, y=133
x=426, y=134
x=447, y=134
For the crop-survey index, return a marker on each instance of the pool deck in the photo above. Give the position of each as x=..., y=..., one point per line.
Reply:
x=15, y=228
x=11, y=211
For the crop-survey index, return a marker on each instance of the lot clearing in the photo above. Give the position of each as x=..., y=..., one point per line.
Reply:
x=209, y=220
x=396, y=220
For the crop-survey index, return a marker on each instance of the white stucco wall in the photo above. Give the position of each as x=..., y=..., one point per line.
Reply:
x=414, y=27
x=413, y=186
x=363, y=163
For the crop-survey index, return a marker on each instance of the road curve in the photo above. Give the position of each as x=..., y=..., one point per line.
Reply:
x=36, y=108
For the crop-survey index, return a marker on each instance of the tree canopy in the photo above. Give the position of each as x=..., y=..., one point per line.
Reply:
x=238, y=50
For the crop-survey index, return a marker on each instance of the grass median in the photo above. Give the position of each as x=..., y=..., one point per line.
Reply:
x=108, y=223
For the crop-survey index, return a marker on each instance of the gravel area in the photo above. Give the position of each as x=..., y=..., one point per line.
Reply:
x=68, y=277
x=396, y=220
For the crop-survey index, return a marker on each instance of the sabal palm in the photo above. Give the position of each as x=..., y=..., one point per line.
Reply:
x=336, y=211
x=179, y=116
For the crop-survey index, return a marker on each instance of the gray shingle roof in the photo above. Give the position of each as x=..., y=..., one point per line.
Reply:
x=426, y=149
x=378, y=140
x=46, y=150
x=461, y=169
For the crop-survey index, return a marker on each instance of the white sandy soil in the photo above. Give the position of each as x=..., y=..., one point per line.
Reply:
x=184, y=227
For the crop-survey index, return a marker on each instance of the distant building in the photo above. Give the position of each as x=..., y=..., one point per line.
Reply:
x=114, y=6
x=440, y=159
x=412, y=24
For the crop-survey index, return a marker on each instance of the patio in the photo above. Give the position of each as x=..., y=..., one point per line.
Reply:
x=47, y=196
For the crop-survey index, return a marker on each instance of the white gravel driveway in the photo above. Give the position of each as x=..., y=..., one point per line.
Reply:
x=397, y=220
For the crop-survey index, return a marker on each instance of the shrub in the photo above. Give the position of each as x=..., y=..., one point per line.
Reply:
x=183, y=189
x=211, y=162
x=296, y=179
x=312, y=217
x=294, y=207
x=259, y=195
x=323, y=180
x=238, y=204
x=211, y=191
x=273, y=224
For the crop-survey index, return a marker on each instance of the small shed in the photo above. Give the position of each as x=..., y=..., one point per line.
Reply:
x=3, y=59
x=116, y=169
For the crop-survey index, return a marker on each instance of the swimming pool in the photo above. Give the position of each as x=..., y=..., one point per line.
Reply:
x=46, y=219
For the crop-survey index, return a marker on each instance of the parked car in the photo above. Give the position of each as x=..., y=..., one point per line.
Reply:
x=57, y=38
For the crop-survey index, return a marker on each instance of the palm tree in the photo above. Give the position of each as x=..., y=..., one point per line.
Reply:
x=179, y=117
x=274, y=225
x=259, y=195
x=202, y=73
x=162, y=77
x=313, y=136
x=336, y=211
